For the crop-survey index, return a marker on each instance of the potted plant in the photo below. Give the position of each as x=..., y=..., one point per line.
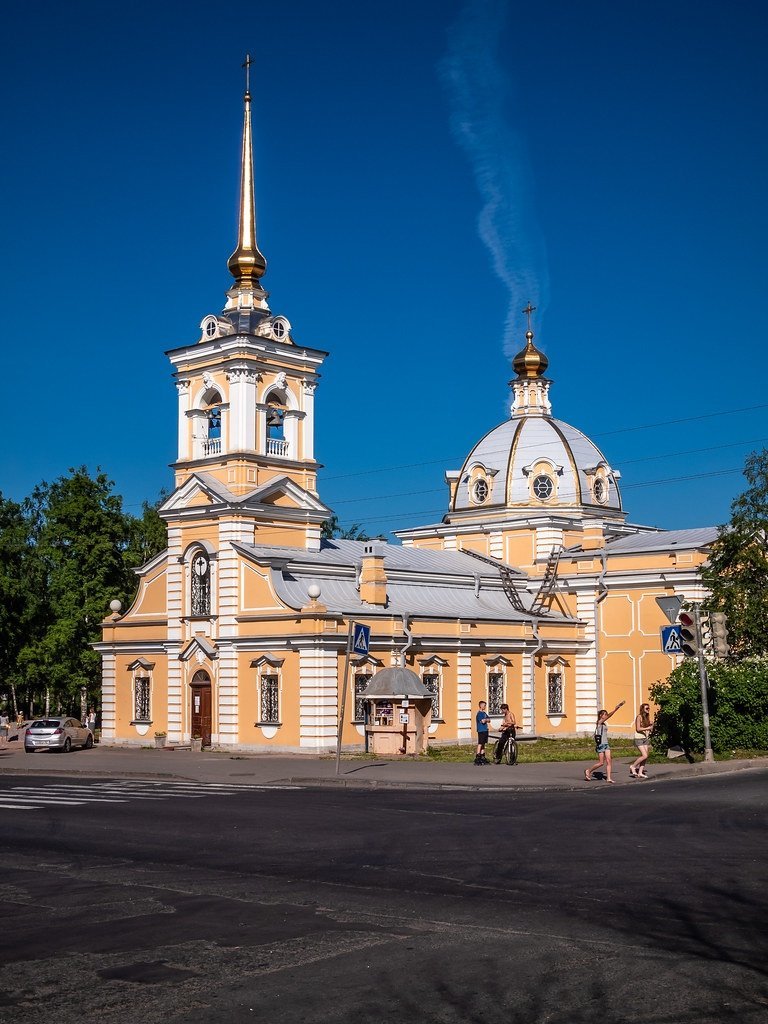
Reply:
x=197, y=742
x=160, y=738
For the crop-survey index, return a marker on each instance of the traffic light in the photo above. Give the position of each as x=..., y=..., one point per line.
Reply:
x=719, y=627
x=689, y=635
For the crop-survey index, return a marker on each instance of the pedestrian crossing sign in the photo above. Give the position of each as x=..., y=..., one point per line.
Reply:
x=361, y=638
x=671, y=640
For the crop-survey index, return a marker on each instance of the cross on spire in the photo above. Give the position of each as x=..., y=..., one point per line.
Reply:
x=247, y=65
x=528, y=310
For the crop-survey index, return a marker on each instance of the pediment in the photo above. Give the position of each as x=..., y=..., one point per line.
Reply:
x=198, y=645
x=194, y=492
x=282, y=492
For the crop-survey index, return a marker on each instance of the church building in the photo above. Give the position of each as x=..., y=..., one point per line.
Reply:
x=533, y=590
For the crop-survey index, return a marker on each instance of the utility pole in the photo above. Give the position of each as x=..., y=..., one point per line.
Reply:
x=704, y=683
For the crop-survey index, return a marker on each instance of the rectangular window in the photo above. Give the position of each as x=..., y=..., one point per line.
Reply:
x=361, y=682
x=270, y=703
x=555, y=704
x=141, y=700
x=495, y=692
x=432, y=683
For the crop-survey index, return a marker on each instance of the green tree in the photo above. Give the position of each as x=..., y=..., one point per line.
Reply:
x=148, y=535
x=20, y=604
x=738, y=709
x=81, y=535
x=332, y=528
x=737, y=571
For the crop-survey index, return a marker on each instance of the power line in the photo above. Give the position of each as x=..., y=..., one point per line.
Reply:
x=604, y=433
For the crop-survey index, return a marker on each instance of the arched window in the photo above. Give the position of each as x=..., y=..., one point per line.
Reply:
x=212, y=409
x=277, y=443
x=200, y=596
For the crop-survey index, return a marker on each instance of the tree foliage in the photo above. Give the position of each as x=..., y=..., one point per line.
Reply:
x=737, y=572
x=332, y=528
x=65, y=553
x=738, y=706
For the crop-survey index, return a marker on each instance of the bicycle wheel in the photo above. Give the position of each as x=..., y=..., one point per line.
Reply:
x=510, y=751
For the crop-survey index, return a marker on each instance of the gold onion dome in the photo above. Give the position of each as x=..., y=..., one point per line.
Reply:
x=530, y=362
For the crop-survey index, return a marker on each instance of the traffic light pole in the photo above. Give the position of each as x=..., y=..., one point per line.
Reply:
x=703, y=682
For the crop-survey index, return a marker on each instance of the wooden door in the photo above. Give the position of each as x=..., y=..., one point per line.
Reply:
x=200, y=718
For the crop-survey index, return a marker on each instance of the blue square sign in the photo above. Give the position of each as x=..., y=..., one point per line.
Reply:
x=361, y=638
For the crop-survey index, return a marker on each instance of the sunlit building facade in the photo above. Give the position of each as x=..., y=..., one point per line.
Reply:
x=533, y=590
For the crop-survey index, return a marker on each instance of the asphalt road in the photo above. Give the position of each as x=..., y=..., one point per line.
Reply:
x=153, y=901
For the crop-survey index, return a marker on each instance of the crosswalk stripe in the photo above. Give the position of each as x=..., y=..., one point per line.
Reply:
x=66, y=794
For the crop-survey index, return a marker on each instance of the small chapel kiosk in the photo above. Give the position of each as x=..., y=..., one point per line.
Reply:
x=399, y=715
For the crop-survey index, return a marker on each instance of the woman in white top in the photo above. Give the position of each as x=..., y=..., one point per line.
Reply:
x=643, y=727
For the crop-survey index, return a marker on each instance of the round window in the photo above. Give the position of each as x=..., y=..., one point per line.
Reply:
x=210, y=328
x=599, y=490
x=543, y=487
x=279, y=329
x=480, y=491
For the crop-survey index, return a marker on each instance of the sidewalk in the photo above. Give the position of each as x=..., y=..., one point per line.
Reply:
x=307, y=770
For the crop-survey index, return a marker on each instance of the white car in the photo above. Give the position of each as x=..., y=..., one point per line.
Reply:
x=57, y=734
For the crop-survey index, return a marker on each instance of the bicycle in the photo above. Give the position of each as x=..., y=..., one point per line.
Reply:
x=509, y=750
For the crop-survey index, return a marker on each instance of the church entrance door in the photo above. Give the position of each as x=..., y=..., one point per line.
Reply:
x=200, y=718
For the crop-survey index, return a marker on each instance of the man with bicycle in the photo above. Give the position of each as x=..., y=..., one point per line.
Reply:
x=508, y=729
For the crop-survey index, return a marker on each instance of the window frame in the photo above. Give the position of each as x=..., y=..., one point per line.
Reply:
x=263, y=676
x=433, y=672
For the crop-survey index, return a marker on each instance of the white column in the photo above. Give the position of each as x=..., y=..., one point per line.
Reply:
x=227, y=570
x=175, y=582
x=496, y=545
x=108, y=697
x=318, y=697
x=527, y=683
x=175, y=694
x=184, y=426
x=308, y=431
x=587, y=694
x=228, y=734
x=546, y=539
x=242, y=409
x=464, y=695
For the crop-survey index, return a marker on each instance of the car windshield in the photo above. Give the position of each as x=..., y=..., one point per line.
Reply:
x=49, y=723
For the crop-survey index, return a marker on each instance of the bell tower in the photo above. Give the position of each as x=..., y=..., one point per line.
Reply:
x=246, y=388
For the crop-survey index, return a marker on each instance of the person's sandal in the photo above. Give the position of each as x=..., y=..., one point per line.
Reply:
x=587, y=775
x=633, y=772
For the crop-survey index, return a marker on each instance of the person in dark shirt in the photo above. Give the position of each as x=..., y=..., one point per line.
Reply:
x=483, y=721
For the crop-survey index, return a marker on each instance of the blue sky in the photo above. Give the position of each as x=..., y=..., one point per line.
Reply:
x=422, y=170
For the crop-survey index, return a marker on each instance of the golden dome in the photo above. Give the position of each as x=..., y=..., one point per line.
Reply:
x=530, y=362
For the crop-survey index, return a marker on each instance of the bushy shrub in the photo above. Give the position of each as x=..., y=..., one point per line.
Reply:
x=738, y=707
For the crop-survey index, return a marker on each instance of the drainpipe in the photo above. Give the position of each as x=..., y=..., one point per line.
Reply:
x=602, y=593
x=409, y=634
x=537, y=649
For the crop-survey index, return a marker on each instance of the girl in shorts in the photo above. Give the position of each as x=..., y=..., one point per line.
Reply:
x=602, y=747
x=643, y=727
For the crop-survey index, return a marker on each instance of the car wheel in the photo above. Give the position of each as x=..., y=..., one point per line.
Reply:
x=89, y=742
x=67, y=745
x=29, y=750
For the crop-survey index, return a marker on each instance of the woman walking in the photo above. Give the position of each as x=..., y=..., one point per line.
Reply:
x=602, y=747
x=643, y=727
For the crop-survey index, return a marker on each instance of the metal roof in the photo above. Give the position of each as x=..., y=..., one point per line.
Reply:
x=663, y=540
x=396, y=682
x=396, y=558
x=450, y=600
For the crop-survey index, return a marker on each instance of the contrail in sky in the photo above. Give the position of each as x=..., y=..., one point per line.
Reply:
x=482, y=110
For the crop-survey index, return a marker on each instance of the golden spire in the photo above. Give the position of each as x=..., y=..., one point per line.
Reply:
x=246, y=263
x=530, y=362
